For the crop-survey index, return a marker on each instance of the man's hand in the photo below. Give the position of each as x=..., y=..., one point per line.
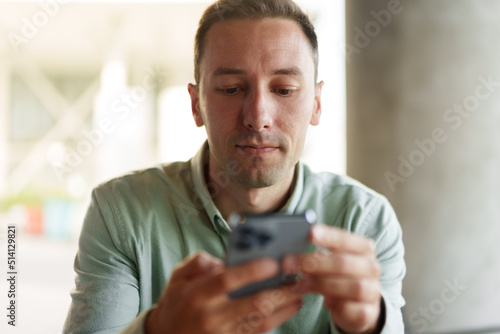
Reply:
x=195, y=299
x=346, y=274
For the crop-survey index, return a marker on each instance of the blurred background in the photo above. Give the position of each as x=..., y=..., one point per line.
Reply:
x=90, y=90
x=423, y=98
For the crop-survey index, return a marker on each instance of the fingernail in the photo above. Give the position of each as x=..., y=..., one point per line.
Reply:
x=269, y=265
x=318, y=231
x=290, y=263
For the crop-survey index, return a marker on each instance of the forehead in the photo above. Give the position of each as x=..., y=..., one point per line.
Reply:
x=251, y=44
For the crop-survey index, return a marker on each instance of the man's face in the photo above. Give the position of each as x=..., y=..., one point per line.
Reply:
x=256, y=97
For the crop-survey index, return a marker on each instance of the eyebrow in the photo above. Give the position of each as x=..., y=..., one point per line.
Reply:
x=289, y=71
x=228, y=71
x=235, y=71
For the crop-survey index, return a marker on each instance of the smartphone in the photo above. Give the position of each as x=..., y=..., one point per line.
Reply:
x=269, y=235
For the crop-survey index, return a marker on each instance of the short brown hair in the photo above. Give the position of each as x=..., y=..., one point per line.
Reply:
x=253, y=9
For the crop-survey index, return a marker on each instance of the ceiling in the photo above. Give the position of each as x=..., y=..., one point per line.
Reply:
x=81, y=37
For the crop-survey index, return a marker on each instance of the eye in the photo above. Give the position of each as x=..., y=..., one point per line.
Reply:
x=229, y=91
x=284, y=92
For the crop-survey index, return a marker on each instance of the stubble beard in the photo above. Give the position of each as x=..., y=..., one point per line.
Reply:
x=258, y=176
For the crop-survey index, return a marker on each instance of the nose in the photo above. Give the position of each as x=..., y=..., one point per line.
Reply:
x=257, y=111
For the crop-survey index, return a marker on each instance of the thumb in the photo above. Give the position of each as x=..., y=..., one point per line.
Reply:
x=196, y=264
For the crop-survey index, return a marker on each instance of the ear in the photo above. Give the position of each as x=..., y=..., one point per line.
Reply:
x=195, y=104
x=317, y=104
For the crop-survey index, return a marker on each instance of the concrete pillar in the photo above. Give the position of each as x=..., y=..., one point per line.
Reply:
x=423, y=99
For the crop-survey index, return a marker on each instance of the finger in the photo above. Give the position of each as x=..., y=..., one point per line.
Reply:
x=270, y=300
x=334, y=238
x=265, y=302
x=227, y=279
x=211, y=290
x=226, y=314
x=196, y=264
x=281, y=316
x=258, y=322
x=353, y=316
x=319, y=263
x=361, y=290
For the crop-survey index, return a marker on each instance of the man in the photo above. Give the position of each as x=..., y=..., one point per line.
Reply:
x=149, y=258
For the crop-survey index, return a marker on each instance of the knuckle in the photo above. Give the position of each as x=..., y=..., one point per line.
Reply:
x=197, y=256
x=342, y=310
x=310, y=264
x=359, y=289
x=197, y=261
x=223, y=281
x=205, y=322
x=340, y=263
x=376, y=291
x=366, y=290
x=176, y=274
x=182, y=291
x=193, y=262
x=376, y=268
x=192, y=298
x=336, y=241
x=322, y=254
x=364, y=314
x=266, y=325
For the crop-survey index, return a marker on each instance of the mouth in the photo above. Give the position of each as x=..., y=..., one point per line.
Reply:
x=256, y=149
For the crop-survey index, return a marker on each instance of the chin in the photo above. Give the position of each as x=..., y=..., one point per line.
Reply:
x=260, y=178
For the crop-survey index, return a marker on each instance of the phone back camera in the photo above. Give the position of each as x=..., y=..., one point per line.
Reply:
x=249, y=237
x=264, y=238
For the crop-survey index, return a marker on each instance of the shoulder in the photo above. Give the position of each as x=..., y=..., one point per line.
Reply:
x=345, y=202
x=135, y=206
x=140, y=197
x=331, y=185
x=142, y=184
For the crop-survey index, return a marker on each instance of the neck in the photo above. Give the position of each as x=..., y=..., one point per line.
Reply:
x=234, y=197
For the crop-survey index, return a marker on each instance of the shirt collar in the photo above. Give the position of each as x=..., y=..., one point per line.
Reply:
x=202, y=194
x=291, y=205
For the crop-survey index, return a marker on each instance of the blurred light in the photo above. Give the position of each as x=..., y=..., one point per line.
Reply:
x=56, y=152
x=18, y=215
x=126, y=1
x=76, y=185
x=114, y=75
x=176, y=122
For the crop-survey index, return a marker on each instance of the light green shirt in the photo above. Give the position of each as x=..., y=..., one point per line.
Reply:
x=139, y=226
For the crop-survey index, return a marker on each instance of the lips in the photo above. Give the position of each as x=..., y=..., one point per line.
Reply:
x=256, y=149
x=257, y=145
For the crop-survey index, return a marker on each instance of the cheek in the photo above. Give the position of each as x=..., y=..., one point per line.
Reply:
x=296, y=117
x=297, y=125
x=219, y=124
x=219, y=120
x=210, y=113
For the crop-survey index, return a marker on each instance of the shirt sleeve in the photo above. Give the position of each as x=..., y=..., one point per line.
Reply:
x=106, y=294
x=378, y=221
x=385, y=230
